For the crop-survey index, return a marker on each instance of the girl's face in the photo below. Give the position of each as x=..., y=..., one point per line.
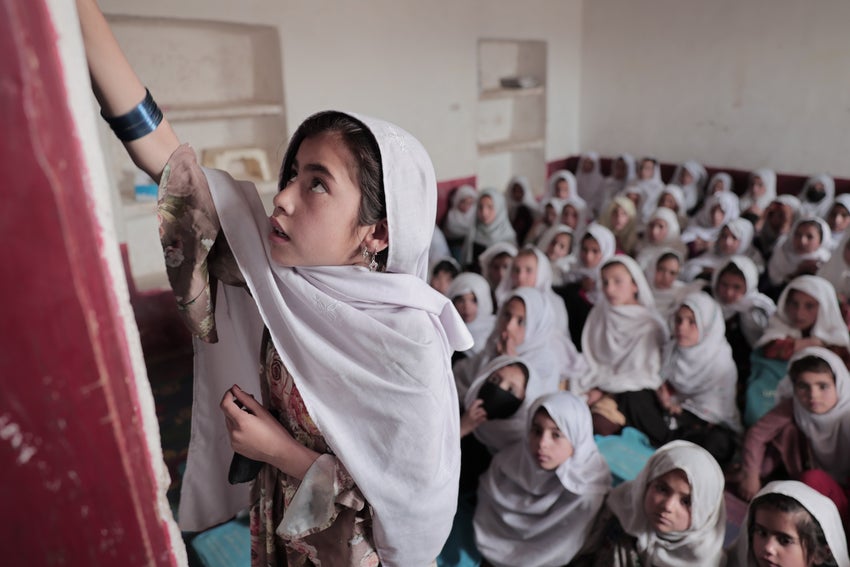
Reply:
x=801, y=309
x=498, y=268
x=620, y=169
x=727, y=243
x=590, y=254
x=587, y=165
x=559, y=247
x=717, y=215
x=486, y=210
x=569, y=216
x=685, y=327
x=315, y=219
x=549, y=214
x=634, y=197
x=618, y=286
x=779, y=217
x=467, y=306
x=524, y=271
x=465, y=204
x=757, y=187
x=776, y=541
x=562, y=189
x=510, y=379
x=716, y=187
x=512, y=322
x=619, y=218
x=667, y=503
x=666, y=272
x=548, y=445
x=442, y=280
x=687, y=178
x=816, y=391
x=839, y=218
x=668, y=201
x=647, y=169
x=806, y=238
x=730, y=288
x=657, y=231
x=517, y=192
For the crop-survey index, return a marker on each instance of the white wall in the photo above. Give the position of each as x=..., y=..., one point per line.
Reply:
x=728, y=82
x=408, y=61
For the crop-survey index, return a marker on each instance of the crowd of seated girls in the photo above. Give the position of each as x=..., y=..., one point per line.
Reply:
x=714, y=324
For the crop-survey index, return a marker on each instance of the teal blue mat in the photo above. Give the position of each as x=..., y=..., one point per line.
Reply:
x=765, y=375
x=626, y=453
x=227, y=545
x=460, y=550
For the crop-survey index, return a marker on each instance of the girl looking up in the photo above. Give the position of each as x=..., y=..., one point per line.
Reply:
x=623, y=173
x=760, y=193
x=839, y=218
x=470, y=294
x=589, y=179
x=491, y=225
x=522, y=206
x=779, y=217
x=802, y=251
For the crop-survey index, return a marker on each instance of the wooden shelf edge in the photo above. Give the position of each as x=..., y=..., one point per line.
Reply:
x=511, y=146
x=490, y=94
x=177, y=113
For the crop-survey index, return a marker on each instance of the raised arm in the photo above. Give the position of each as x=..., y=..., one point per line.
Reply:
x=119, y=90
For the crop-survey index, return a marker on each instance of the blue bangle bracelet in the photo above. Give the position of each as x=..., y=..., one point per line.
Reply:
x=137, y=123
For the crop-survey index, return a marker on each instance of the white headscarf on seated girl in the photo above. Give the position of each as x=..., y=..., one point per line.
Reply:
x=702, y=543
x=335, y=329
x=543, y=283
x=481, y=327
x=496, y=434
x=457, y=223
x=552, y=355
x=829, y=327
x=704, y=375
x=819, y=208
x=563, y=265
x=828, y=434
x=607, y=247
x=588, y=185
x=530, y=516
x=768, y=178
x=821, y=508
x=693, y=190
x=622, y=343
x=666, y=300
x=627, y=236
x=433, y=262
x=653, y=186
x=784, y=260
x=486, y=235
x=844, y=200
x=724, y=178
x=648, y=251
x=702, y=228
x=612, y=186
x=582, y=211
x=566, y=175
x=755, y=308
x=743, y=231
x=493, y=251
x=837, y=271
x=439, y=246
x=527, y=200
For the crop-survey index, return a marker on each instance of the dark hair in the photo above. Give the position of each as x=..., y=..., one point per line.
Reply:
x=523, y=368
x=811, y=535
x=367, y=159
x=732, y=269
x=445, y=266
x=809, y=363
x=815, y=224
x=668, y=256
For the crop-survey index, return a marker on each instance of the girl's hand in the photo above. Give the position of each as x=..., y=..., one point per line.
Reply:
x=258, y=435
x=664, y=396
x=474, y=416
x=506, y=345
x=594, y=396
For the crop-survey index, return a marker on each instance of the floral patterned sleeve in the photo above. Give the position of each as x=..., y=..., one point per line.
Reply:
x=196, y=251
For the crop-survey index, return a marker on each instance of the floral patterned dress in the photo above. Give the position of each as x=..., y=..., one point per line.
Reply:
x=286, y=528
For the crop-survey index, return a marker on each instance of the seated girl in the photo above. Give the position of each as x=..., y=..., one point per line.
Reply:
x=460, y=217
x=538, y=499
x=735, y=238
x=557, y=244
x=522, y=206
x=494, y=263
x=673, y=198
x=837, y=272
x=702, y=232
x=550, y=212
x=792, y=525
x=575, y=215
x=719, y=183
x=623, y=174
x=691, y=177
x=839, y=218
x=492, y=225
x=779, y=217
x=649, y=179
x=746, y=311
x=579, y=291
x=563, y=185
x=663, y=277
x=807, y=315
x=816, y=196
x=802, y=252
x=672, y=514
x=442, y=273
x=589, y=178
x=760, y=193
x=470, y=294
x=622, y=220
x=806, y=435
x=700, y=379
x=662, y=232
x=621, y=343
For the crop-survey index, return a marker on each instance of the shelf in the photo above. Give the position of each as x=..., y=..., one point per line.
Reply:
x=491, y=94
x=218, y=111
x=511, y=146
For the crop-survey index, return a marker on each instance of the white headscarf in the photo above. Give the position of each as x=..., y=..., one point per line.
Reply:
x=439, y=247
x=829, y=433
x=837, y=271
x=527, y=200
x=821, y=508
x=493, y=251
x=843, y=200
x=563, y=265
x=500, y=230
x=458, y=224
x=607, y=247
x=702, y=543
x=485, y=320
x=724, y=178
x=622, y=344
x=694, y=190
x=829, y=327
x=626, y=236
x=652, y=187
x=649, y=251
x=821, y=207
x=666, y=300
x=530, y=516
x=589, y=184
x=337, y=330
x=754, y=307
x=768, y=178
x=581, y=211
x=613, y=186
x=784, y=260
x=704, y=375
x=566, y=175
x=742, y=230
x=702, y=228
